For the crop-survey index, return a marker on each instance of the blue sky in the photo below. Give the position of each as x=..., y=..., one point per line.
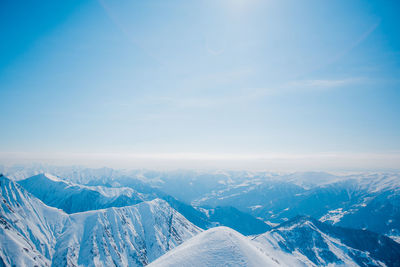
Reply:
x=225, y=80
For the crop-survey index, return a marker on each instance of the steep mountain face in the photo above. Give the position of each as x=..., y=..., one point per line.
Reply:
x=220, y=246
x=127, y=236
x=35, y=234
x=29, y=229
x=317, y=243
x=73, y=198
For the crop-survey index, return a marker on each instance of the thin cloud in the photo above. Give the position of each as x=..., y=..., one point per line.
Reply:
x=253, y=94
x=299, y=86
x=322, y=83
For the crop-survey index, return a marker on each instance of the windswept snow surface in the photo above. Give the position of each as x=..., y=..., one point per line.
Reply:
x=32, y=233
x=220, y=246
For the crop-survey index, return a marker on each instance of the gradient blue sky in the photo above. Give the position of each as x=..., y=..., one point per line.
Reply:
x=207, y=80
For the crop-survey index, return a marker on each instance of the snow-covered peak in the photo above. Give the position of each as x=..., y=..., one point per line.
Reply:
x=51, y=177
x=44, y=180
x=220, y=246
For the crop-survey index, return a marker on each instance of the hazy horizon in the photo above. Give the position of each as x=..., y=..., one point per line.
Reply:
x=230, y=162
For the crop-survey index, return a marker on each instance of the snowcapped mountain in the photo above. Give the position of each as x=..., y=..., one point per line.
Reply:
x=29, y=229
x=127, y=236
x=76, y=174
x=35, y=234
x=321, y=244
x=220, y=246
x=377, y=207
x=73, y=198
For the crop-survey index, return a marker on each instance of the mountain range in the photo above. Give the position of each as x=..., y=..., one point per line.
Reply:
x=131, y=221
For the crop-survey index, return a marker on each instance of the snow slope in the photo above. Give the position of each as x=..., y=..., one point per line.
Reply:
x=220, y=246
